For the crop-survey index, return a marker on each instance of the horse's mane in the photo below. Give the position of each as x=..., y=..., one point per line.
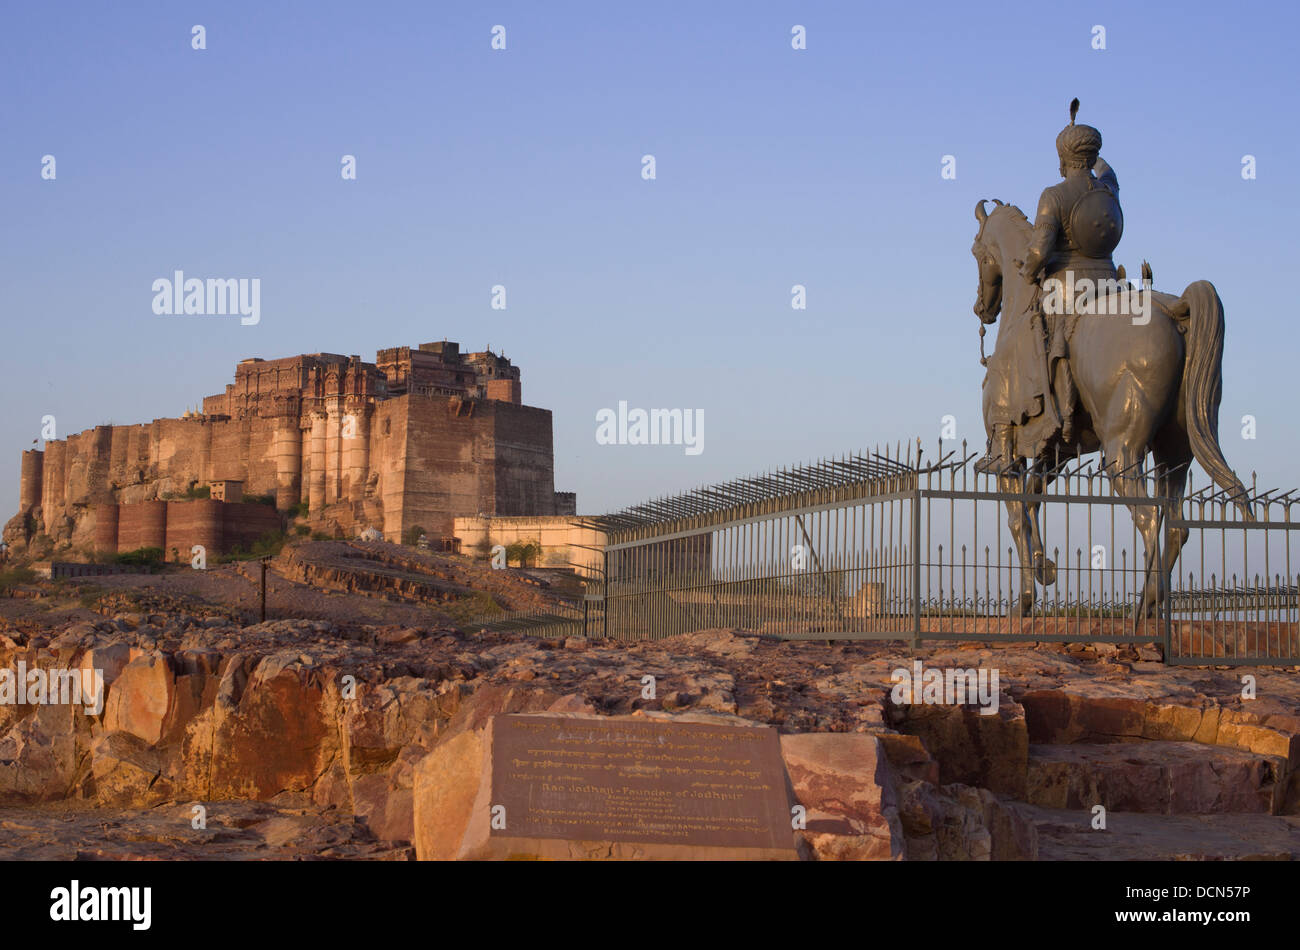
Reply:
x=1018, y=218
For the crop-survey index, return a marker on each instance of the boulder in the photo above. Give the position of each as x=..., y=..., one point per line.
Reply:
x=844, y=782
x=140, y=697
x=960, y=823
x=277, y=736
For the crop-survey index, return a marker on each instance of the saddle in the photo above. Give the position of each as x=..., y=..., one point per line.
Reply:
x=1050, y=416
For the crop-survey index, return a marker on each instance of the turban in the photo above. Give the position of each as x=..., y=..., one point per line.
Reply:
x=1078, y=143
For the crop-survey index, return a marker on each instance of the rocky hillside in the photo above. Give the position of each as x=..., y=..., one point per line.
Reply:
x=325, y=724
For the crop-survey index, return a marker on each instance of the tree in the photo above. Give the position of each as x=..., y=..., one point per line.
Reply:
x=523, y=552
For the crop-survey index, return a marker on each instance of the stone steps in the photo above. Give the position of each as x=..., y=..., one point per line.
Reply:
x=1068, y=835
x=1155, y=777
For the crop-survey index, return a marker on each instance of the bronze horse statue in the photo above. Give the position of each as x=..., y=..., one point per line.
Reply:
x=1143, y=388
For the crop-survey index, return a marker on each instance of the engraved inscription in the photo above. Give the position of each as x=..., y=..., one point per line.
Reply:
x=653, y=781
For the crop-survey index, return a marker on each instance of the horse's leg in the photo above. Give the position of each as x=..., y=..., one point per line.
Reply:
x=1018, y=521
x=1173, y=454
x=1002, y=445
x=1124, y=465
x=1040, y=476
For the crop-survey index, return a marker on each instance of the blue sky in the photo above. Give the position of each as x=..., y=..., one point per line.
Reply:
x=522, y=167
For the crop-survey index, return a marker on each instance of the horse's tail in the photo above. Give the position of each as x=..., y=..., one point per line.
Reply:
x=1200, y=312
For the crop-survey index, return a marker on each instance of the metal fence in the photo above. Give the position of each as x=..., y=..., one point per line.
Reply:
x=1236, y=595
x=557, y=622
x=887, y=546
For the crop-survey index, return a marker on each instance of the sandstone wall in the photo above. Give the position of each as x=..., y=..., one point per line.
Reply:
x=30, y=481
x=504, y=390
x=388, y=446
x=134, y=464
x=195, y=522
x=106, y=528
x=315, y=429
x=465, y=457
x=143, y=525
x=176, y=526
x=54, y=484
x=243, y=524
x=445, y=470
x=563, y=542
x=523, y=460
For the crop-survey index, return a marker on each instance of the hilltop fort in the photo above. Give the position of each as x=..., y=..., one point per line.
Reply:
x=416, y=438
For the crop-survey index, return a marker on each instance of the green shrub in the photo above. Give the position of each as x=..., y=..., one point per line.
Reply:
x=15, y=576
x=191, y=493
x=299, y=509
x=267, y=545
x=411, y=536
x=141, y=557
x=301, y=530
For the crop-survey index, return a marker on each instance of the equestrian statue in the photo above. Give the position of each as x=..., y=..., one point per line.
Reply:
x=1086, y=362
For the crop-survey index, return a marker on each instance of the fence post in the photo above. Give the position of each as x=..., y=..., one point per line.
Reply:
x=1167, y=601
x=916, y=565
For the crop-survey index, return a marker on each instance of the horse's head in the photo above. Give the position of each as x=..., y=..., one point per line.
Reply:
x=988, y=296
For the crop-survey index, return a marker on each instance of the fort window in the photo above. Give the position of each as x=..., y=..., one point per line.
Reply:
x=229, y=490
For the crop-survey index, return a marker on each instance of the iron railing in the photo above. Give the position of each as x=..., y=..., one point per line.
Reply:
x=889, y=546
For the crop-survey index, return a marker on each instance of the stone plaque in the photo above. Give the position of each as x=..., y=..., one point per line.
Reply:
x=649, y=781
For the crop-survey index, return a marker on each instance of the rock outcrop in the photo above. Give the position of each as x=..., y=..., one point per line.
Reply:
x=383, y=724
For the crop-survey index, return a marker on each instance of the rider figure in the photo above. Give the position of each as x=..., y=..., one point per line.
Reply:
x=1076, y=229
x=1079, y=221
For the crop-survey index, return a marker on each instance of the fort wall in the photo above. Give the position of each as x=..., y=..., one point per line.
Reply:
x=30, y=479
x=419, y=437
x=177, y=526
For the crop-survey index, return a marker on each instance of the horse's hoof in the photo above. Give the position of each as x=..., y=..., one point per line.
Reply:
x=1045, y=571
